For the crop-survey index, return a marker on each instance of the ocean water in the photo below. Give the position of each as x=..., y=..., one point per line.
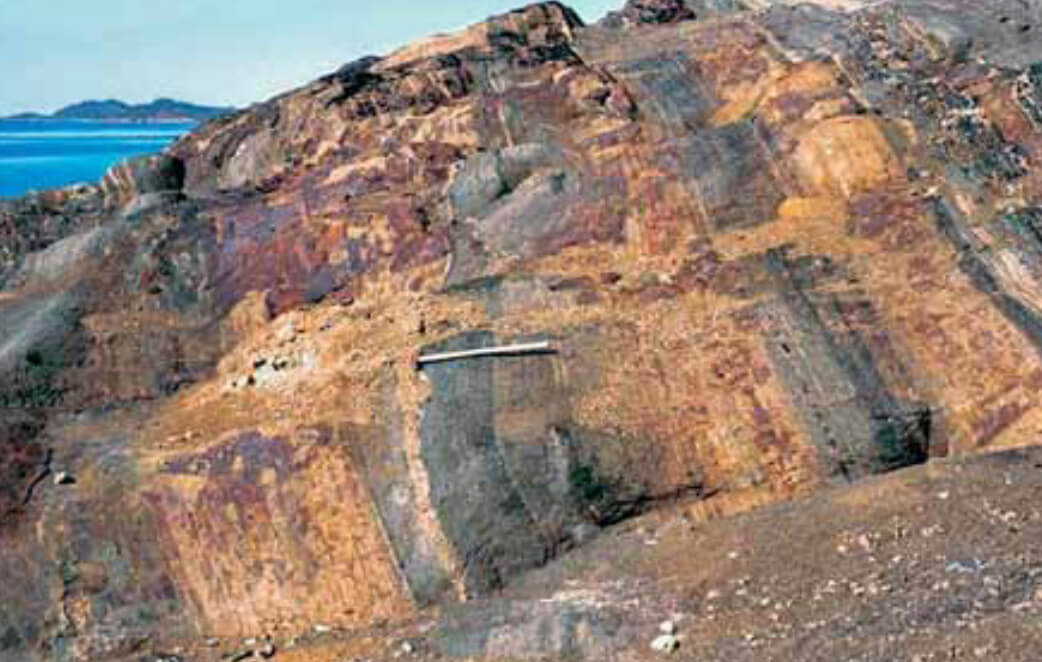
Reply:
x=50, y=154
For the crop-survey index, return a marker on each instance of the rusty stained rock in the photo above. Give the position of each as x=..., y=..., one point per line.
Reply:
x=779, y=247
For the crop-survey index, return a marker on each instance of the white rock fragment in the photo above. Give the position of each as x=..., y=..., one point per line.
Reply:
x=667, y=627
x=63, y=478
x=665, y=643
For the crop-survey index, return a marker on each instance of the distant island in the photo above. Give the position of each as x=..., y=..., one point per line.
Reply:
x=112, y=110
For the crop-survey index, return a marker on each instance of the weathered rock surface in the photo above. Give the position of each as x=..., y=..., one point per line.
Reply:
x=777, y=248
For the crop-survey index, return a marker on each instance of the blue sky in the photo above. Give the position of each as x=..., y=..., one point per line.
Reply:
x=226, y=52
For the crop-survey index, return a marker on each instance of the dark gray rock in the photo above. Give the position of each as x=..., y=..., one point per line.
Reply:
x=382, y=453
x=809, y=29
x=146, y=174
x=1003, y=32
x=481, y=512
x=860, y=428
x=511, y=491
x=730, y=169
x=38, y=339
x=668, y=91
x=489, y=176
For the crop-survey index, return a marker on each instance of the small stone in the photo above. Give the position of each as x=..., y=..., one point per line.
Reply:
x=251, y=641
x=63, y=478
x=322, y=628
x=287, y=333
x=864, y=542
x=266, y=651
x=943, y=496
x=584, y=533
x=667, y=627
x=408, y=648
x=212, y=642
x=665, y=643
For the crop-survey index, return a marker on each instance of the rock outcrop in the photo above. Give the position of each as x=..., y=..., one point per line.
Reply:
x=776, y=248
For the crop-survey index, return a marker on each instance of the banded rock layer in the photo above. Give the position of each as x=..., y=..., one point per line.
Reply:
x=775, y=248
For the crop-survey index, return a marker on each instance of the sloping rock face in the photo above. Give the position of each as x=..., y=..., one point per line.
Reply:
x=774, y=248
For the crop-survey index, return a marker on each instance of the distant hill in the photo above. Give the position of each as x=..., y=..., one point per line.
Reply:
x=27, y=116
x=112, y=110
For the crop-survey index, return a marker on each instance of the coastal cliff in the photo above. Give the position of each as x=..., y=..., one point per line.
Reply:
x=778, y=250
